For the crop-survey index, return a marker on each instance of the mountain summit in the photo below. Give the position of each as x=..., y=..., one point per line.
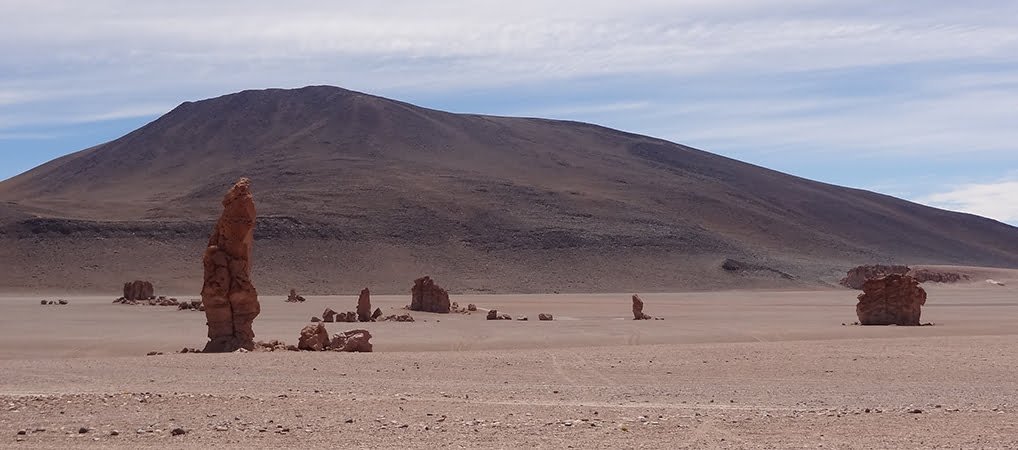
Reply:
x=358, y=190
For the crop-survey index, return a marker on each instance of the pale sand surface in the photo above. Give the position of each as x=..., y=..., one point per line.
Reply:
x=741, y=369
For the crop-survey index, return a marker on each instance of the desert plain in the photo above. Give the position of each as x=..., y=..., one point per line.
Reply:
x=723, y=369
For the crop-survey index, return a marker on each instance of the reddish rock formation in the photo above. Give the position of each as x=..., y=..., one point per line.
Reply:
x=375, y=315
x=294, y=298
x=364, y=306
x=348, y=316
x=429, y=297
x=138, y=290
x=230, y=299
x=313, y=337
x=544, y=316
x=351, y=341
x=891, y=300
x=638, y=309
x=328, y=315
x=857, y=276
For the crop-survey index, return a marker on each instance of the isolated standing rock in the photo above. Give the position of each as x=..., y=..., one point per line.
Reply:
x=364, y=306
x=230, y=299
x=429, y=297
x=138, y=290
x=313, y=337
x=638, y=309
x=891, y=300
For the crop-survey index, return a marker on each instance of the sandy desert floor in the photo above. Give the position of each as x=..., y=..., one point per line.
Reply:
x=740, y=369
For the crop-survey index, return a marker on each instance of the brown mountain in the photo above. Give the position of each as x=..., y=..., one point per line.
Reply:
x=355, y=190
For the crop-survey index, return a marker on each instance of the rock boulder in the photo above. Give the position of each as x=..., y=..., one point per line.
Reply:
x=429, y=297
x=364, y=306
x=313, y=337
x=638, y=309
x=351, y=341
x=138, y=290
x=891, y=300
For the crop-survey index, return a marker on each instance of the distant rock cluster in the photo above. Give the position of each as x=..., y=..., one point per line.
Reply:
x=53, y=302
x=891, y=300
x=193, y=305
x=857, y=276
x=155, y=301
x=138, y=290
x=294, y=298
x=493, y=314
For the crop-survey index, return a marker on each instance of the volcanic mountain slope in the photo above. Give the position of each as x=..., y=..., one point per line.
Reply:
x=355, y=190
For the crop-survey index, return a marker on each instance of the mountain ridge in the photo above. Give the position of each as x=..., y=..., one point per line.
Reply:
x=350, y=170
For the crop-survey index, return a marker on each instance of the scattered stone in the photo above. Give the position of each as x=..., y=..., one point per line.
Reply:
x=545, y=316
x=230, y=298
x=364, y=306
x=891, y=300
x=178, y=432
x=995, y=283
x=329, y=315
x=638, y=309
x=190, y=350
x=471, y=307
x=114, y=433
x=313, y=337
x=349, y=316
x=429, y=297
x=272, y=346
x=43, y=302
x=83, y=430
x=523, y=318
x=294, y=298
x=351, y=341
x=375, y=315
x=315, y=319
x=154, y=353
x=62, y=302
x=22, y=432
x=936, y=276
x=398, y=318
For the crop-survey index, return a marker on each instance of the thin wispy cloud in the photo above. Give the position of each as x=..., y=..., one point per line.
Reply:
x=823, y=89
x=985, y=199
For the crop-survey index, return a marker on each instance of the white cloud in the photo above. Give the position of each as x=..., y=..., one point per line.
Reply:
x=996, y=200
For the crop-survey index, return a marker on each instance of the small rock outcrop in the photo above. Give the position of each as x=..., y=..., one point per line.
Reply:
x=348, y=316
x=375, y=315
x=398, y=318
x=294, y=298
x=545, y=316
x=230, y=299
x=364, y=306
x=313, y=337
x=471, y=307
x=857, y=276
x=138, y=290
x=328, y=315
x=638, y=313
x=429, y=297
x=351, y=341
x=493, y=314
x=891, y=300
x=193, y=305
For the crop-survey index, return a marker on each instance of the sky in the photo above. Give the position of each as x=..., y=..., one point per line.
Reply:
x=914, y=99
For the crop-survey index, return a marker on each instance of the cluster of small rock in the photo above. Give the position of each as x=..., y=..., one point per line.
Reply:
x=193, y=305
x=397, y=318
x=858, y=276
x=294, y=298
x=493, y=314
x=158, y=301
x=53, y=302
x=363, y=313
x=315, y=337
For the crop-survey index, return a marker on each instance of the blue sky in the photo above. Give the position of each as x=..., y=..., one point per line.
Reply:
x=914, y=99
